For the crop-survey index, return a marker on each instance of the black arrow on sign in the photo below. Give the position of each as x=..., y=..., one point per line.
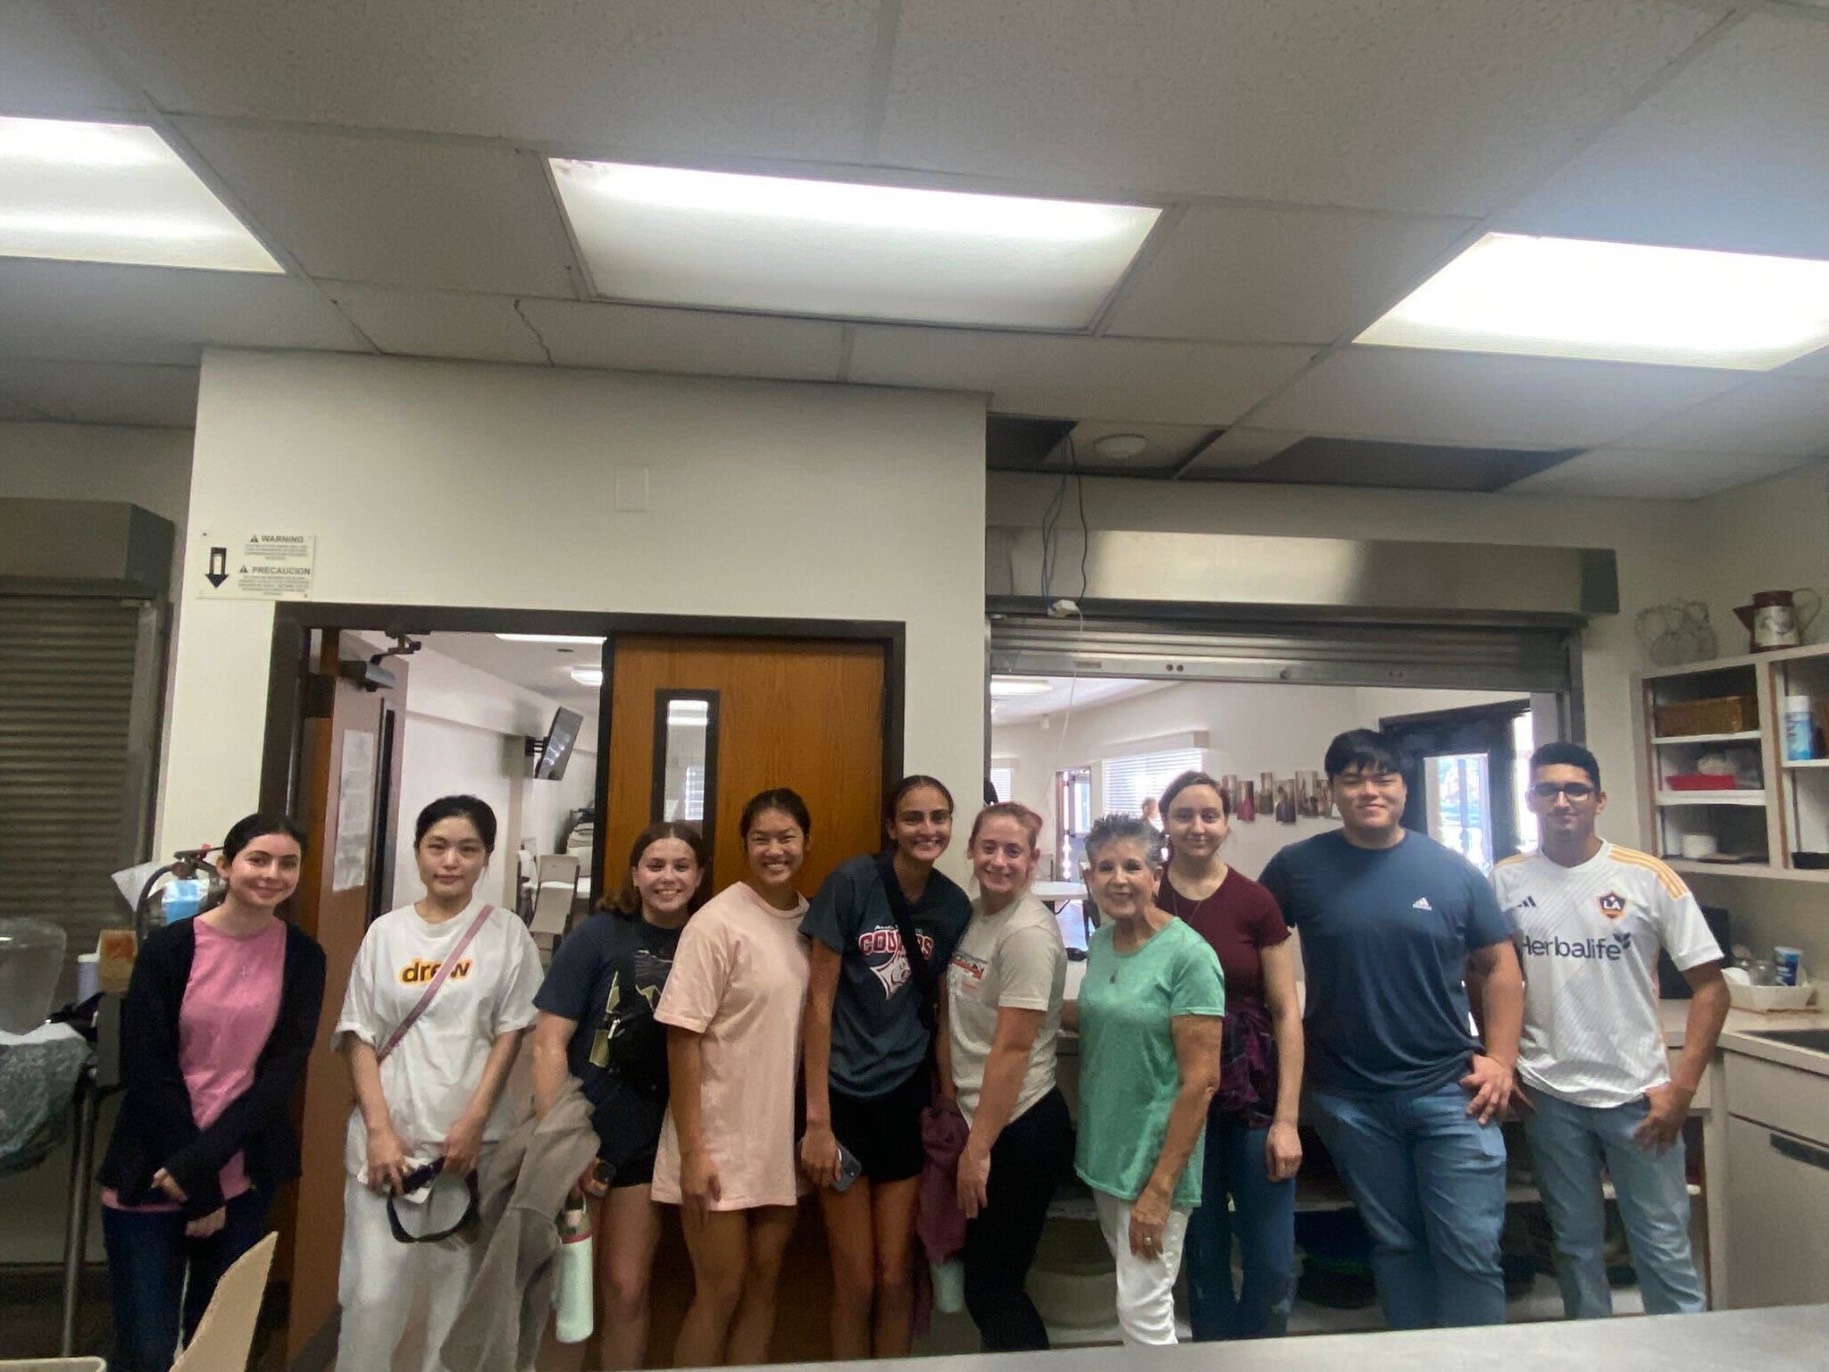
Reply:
x=219, y=567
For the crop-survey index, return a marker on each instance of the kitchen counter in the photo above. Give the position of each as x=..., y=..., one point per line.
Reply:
x=1673, y=1015
x=1785, y=1339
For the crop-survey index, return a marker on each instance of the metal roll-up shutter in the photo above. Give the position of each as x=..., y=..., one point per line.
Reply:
x=78, y=722
x=1525, y=658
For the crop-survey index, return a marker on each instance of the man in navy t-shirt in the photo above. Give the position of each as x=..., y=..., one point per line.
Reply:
x=1405, y=1097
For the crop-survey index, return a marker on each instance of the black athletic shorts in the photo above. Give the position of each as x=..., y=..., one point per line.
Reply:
x=885, y=1133
x=628, y=1135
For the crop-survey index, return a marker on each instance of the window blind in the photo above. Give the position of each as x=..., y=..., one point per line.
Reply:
x=1127, y=780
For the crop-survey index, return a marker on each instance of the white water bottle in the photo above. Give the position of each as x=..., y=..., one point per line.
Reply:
x=574, y=1294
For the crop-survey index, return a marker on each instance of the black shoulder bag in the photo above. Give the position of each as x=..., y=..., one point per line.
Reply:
x=927, y=985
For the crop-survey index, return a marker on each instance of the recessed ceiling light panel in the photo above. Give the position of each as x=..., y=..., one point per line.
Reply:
x=1010, y=687
x=717, y=240
x=1616, y=302
x=82, y=192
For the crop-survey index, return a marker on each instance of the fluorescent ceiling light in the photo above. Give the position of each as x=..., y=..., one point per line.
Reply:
x=671, y=236
x=113, y=193
x=550, y=638
x=587, y=676
x=1005, y=687
x=1617, y=302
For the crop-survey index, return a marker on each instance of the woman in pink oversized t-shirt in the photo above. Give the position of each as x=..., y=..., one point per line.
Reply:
x=732, y=1008
x=215, y=1030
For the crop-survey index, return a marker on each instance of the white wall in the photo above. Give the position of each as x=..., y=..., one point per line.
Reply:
x=467, y=484
x=1252, y=728
x=150, y=468
x=1770, y=536
x=1657, y=544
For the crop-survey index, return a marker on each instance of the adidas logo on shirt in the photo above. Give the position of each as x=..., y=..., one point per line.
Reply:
x=1422, y=903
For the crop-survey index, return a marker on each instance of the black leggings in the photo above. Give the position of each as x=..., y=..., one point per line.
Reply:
x=1029, y=1160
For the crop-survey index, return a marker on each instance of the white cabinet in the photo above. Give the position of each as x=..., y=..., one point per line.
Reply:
x=1777, y=1216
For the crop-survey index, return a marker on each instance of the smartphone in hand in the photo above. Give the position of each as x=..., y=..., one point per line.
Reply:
x=849, y=1169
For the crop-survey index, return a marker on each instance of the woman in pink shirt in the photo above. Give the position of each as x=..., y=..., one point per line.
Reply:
x=732, y=1008
x=217, y=1024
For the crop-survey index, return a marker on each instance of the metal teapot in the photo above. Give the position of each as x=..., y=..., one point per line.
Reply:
x=1777, y=619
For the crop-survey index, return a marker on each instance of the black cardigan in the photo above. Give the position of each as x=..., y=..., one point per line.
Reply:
x=156, y=1129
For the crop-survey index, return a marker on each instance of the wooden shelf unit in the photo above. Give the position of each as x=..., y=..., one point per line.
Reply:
x=1788, y=813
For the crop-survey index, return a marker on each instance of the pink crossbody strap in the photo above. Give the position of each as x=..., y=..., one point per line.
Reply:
x=445, y=969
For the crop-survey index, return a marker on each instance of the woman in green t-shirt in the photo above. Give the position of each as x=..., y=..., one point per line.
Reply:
x=1149, y=1022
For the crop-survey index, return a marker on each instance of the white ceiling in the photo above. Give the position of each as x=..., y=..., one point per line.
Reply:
x=1065, y=693
x=1317, y=160
x=540, y=667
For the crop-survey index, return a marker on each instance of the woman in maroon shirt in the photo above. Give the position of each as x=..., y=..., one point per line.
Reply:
x=1253, y=1150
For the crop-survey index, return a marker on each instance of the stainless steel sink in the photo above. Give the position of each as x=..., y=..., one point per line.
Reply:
x=1817, y=1040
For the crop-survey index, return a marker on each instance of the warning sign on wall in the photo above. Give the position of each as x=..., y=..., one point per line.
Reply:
x=256, y=566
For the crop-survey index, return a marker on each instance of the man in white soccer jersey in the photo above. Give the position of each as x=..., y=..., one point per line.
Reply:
x=1591, y=917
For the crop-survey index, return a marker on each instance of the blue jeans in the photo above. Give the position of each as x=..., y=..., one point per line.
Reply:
x=1266, y=1229
x=1568, y=1143
x=1429, y=1181
x=161, y=1281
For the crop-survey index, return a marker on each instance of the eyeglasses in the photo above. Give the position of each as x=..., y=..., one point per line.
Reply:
x=1574, y=790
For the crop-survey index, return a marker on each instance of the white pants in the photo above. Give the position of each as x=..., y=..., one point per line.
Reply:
x=382, y=1281
x=1146, y=1286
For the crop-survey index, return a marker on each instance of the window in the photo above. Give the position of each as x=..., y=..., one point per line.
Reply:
x=1003, y=781
x=1128, y=780
x=1073, y=806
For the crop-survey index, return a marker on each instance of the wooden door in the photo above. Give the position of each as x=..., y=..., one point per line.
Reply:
x=349, y=767
x=807, y=715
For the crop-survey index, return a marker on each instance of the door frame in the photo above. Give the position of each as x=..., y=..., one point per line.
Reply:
x=294, y=621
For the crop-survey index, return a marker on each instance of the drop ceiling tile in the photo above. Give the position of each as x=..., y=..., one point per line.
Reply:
x=1765, y=415
x=159, y=314
x=103, y=392
x=1261, y=275
x=1732, y=154
x=413, y=212
x=1413, y=394
x=1636, y=474
x=635, y=338
x=1393, y=104
x=1166, y=446
x=1239, y=448
x=438, y=323
x=730, y=78
x=11, y=409
x=1810, y=364
x=1150, y=382
x=47, y=69
x=1381, y=464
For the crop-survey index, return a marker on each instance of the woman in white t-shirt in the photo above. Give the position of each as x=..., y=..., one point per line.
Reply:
x=1004, y=991
x=429, y=1091
x=732, y=1008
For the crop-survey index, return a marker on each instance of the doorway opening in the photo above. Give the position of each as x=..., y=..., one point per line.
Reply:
x=1074, y=750
x=578, y=729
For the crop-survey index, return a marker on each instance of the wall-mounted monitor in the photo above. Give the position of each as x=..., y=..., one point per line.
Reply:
x=557, y=750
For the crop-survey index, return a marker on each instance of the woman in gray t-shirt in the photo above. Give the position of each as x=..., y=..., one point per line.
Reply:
x=1004, y=991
